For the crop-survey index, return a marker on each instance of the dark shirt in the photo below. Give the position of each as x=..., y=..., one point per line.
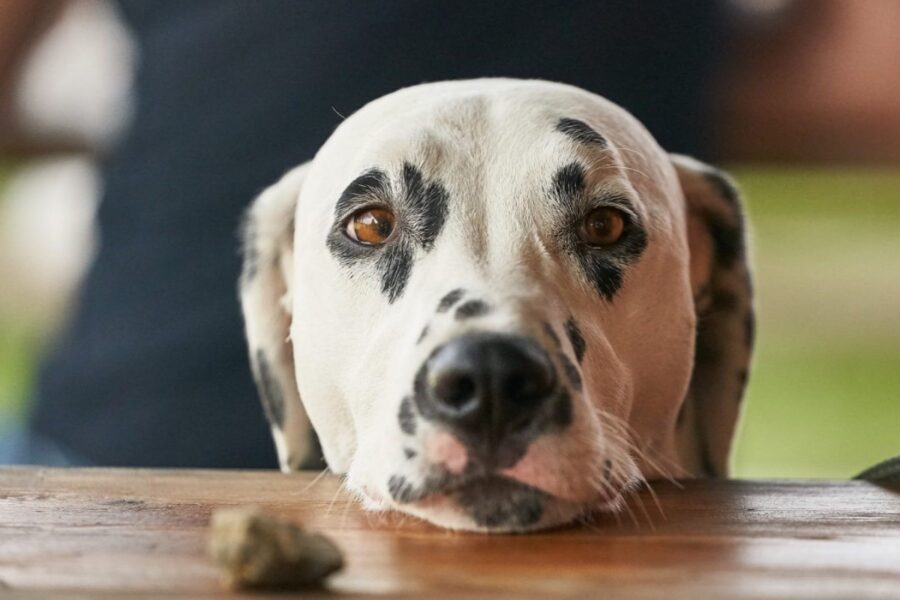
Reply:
x=152, y=369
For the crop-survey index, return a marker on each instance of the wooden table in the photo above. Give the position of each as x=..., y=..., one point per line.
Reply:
x=101, y=532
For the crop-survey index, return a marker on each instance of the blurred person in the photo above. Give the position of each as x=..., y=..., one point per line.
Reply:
x=152, y=370
x=72, y=86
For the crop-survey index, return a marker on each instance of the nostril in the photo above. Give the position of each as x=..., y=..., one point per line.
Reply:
x=455, y=390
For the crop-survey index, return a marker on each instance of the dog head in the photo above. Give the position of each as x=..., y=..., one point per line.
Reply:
x=502, y=304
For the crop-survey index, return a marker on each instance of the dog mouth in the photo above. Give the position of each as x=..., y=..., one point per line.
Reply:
x=492, y=501
x=497, y=502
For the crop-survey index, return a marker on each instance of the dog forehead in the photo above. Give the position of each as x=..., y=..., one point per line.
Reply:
x=505, y=132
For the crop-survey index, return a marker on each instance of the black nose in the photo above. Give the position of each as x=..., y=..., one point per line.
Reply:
x=486, y=386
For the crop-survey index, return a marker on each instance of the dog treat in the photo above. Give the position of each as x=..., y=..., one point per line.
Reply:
x=260, y=551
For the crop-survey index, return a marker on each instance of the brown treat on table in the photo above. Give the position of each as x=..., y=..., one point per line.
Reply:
x=259, y=551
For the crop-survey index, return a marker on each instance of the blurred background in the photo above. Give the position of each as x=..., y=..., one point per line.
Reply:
x=804, y=110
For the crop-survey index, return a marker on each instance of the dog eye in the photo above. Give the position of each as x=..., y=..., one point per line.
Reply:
x=370, y=226
x=602, y=227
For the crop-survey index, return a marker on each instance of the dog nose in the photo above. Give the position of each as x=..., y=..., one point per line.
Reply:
x=486, y=385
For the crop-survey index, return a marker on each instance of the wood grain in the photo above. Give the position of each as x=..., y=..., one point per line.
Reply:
x=88, y=533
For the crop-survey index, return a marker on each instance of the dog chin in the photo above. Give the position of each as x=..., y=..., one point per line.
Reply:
x=497, y=504
x=493, y=504
x=444, y=510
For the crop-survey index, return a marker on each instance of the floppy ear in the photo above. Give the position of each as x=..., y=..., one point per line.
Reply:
x=723, y=299
x=267, y=237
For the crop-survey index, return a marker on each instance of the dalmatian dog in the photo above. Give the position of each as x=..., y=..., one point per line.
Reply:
x=500, y=305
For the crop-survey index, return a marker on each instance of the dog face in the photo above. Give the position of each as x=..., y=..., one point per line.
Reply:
x=487, y=294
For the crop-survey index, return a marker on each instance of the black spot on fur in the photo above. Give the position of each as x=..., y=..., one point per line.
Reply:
x=704, y=343
x=426, y=205
x=562, y=410
x=548, y=329
x=725, y=226
x=498, y=502
x=742, y=383
x=406, y=417
x=749, y=328
x=401, y=490
x=270, y=392
x=571, y=371
x=707, y=468
x=724, y=186
x=607, y=278
x=603, y=267
x=728, y=240
x=724, y=301
x=249, y=251
x=422, y=335
x=576, y=339
x=581, y=132
x=569, y=182
x=395, y=266
x=409, y=453
x=472, y=308
x=449, y=300
x=607, y=469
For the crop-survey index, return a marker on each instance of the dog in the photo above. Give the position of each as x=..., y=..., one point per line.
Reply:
x=503, y=305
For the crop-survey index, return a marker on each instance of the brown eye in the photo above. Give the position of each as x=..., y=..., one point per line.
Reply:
x=370, y=226
x=602, y=227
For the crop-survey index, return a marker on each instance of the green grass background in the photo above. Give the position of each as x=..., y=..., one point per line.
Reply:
x=824, y=395
x=18, y=347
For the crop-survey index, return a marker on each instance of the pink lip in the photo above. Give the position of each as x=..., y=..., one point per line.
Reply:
x=445, y=449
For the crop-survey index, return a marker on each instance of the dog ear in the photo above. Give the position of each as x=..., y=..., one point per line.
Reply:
x=723, y=299
x=267, y=241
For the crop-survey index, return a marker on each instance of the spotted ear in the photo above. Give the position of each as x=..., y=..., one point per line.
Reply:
x=723, y=300
x=267, y=236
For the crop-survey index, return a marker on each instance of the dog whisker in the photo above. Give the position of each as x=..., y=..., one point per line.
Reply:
x=315, y=480
x=347, y=505
x=618, y=517
x=604, y=163
x=659, y=507
x=627, y=434
x=627, y=506
x=621, y=436
x=337, y=492
x=665, y=473
x=633, y=170
x=637, y=153
x=587, y=520
x=637, y=496
x=619, y=498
